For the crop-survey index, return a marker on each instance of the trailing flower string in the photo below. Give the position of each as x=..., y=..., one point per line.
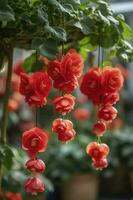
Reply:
x=101, y=86
x=62, y=74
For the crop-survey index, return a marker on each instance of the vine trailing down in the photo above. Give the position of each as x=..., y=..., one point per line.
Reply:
x=64, y=73
x=102, y=87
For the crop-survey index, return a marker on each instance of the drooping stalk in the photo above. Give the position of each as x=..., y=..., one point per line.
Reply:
x=4, y=119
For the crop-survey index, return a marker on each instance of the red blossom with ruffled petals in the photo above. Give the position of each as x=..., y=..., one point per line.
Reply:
x=96, y=150
x=66, y=84
x=35, y=101
x=112, y=80
x=107, y=113
x=35, y=165
x=34, y=185
x=34, y=140
x=91, y=85
x=101, y=163
x=59, y=125
x=64, y=104
x=54, y=70
x=41, y=84
x=66, y=136
x=35, y=88
x=72, y=64
x=64, y=129
x=111, y=98
x=99, y=128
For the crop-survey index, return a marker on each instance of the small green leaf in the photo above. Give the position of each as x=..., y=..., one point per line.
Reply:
x=32, y=64
x=127, y=31
x=6, y=12
x=49, y=49
x=6, y=156
x=86, y=24
x=36, y=42
x=57, y=32
x=42, y=15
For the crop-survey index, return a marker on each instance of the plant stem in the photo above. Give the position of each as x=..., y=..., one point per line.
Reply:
x=3, y=138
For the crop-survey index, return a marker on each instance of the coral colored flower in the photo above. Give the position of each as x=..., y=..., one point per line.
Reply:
x=66, y=84
x=96, y=150
x=34, y=185
x=35, y=165
x=72, y=64
x=107, y=113
x=101, y=163
x=41, y=83
x=62, y=81
x=91, y=85
x=99, y=128
x=13, y=196
x=111, y=98
x=64, y=129
x=112, y=80
x=35, y=140
x=64, y=104
x=59, y=125
x=66, y=136
x=35, y=101
x=35, y=88
x=81, y=114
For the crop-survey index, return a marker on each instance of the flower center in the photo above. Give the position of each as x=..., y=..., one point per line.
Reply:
x=34, y=142
x=42, y=86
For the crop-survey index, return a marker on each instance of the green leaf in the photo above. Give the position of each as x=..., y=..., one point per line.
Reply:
x=127, y=31
x=42, y=15
x=86, y=24
x=6, y=156
x=49, y=49
x=76, y=2
x=57, y=32
x=6, y=12
x=110, y=36
x=56, y=4
x=32, y=64
x=36, y=42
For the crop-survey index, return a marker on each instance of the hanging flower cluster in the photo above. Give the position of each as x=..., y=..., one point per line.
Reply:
x=102, y=87
x=34, y=141
x=64, y=73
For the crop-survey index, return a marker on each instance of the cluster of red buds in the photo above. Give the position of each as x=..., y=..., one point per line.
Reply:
x=63, y=74
x=102, y=87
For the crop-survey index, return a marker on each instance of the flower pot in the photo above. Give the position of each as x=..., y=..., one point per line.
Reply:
x=81, y=187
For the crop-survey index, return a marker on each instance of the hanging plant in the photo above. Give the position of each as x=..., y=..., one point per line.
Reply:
x=55, y=30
